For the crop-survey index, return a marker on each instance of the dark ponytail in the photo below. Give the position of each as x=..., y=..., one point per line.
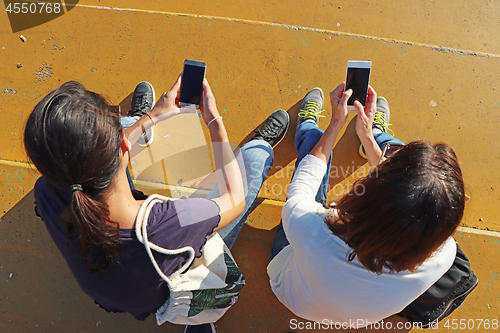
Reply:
x=73, y=136
x=96, y=231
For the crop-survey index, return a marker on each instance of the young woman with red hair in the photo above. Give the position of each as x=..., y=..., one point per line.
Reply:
x=385, y=242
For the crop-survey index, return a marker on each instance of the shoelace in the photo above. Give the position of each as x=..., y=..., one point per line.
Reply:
x=380, y=120
x=311, y=109
x=271, y=129
x=141, y=103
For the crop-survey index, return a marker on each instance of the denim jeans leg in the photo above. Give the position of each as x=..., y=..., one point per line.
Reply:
x=256, y=159
x=307, y=136
x=126, y=122
x=279, y=242
x=384, y=138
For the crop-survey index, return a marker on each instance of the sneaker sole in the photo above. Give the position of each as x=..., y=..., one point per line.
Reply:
x=361, y=152
x=145, y=143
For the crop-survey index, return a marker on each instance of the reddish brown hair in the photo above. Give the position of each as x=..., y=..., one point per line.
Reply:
x=73, y=136
x=397, y=217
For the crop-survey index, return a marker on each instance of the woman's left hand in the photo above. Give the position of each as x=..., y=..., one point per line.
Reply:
x=167, y=104
x=338, y=99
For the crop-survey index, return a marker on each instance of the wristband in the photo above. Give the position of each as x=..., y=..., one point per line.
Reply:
x=151, y=118
x=218, y=117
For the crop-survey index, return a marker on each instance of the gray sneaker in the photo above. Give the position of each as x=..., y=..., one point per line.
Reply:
x=274, y=128
x=143, y=100
x=311, y=106
x=382, y=116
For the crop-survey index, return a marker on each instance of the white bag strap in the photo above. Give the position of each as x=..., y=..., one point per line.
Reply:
x=142, y=236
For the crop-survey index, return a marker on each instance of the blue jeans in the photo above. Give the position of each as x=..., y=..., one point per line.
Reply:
x=126, y=122
x=257, y=157
x=385, y=138
x=308, y=134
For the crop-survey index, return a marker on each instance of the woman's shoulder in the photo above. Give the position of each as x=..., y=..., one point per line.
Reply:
x=441, y=260
x=185, y=211
x=176, y=223
x=47, y=194
x=298, y=208
x=42, y=185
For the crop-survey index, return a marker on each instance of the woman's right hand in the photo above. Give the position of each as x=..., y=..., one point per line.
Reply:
x=208, y=107
x=366, y=114
x=364, y=123
x=231, y=200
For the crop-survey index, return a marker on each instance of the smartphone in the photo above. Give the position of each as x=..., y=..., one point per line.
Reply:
x=357, y=79
x=192, y=83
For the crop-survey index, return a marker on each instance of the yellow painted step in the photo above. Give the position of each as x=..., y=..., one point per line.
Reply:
x=436, y=63
x=255, y=68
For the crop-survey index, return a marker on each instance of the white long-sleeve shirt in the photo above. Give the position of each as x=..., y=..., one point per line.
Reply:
x=313, y=278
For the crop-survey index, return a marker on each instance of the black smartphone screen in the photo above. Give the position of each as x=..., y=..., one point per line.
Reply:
x=357, y=80
x=192, y=83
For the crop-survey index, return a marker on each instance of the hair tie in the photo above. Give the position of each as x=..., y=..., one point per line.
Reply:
x=75, y=187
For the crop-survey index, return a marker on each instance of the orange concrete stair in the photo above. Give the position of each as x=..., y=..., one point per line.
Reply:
x=438, y=65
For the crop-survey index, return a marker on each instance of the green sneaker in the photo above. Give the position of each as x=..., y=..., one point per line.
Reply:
x=311, y=106
x=382, y=116
x=380, y=122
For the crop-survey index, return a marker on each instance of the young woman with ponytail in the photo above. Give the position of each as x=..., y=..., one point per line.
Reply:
x=75, y=143
x=75, y=139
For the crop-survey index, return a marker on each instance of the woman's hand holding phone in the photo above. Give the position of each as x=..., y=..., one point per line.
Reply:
x=167, y=104
x=231, y=189
x=164, y=108
x=208, y=107
x=364, y=123
x=338, y=100
x=366, y=114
